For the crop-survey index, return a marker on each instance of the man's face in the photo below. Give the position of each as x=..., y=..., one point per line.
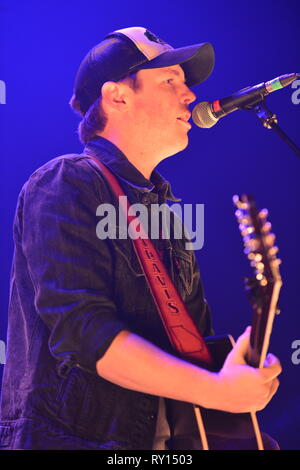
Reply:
x=159, y=109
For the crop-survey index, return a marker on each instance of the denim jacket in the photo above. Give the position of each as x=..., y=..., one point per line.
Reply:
x=71, y=293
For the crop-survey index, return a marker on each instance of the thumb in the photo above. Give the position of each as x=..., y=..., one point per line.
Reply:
x=238, y=353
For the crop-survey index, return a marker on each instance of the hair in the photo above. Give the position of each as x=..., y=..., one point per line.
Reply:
x=95, y=119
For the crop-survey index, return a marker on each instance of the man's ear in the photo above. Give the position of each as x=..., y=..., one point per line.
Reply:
x=114, y=95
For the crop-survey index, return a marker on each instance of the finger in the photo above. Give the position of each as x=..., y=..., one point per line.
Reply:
x=272, y=368
x=274, y=388
x=270, y=391
x=270, y=360
x=238, y=353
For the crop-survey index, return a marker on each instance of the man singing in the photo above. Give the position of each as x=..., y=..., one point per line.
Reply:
x=89, y=363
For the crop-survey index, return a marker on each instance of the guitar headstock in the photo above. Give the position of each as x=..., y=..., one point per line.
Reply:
x=259, y=241
x=264, y=287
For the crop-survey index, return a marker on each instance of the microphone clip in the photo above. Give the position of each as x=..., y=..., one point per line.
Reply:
x=264, y=114
x=269, y=121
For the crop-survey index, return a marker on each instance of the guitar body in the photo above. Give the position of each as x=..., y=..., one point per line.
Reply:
x=223, y=430
x=231, y=430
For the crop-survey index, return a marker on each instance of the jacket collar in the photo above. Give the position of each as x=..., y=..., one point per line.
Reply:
x=119, y=164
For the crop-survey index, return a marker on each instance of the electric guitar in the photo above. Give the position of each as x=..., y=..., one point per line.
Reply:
x=223, y=430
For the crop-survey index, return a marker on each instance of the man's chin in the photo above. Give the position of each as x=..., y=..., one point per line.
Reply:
x=179, y=148
x=184, y=142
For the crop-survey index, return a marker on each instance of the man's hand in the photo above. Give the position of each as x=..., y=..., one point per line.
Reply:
x=242, y=388
x=134, y=363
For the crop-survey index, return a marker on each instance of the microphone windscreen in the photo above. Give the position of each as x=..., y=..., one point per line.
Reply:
x=202, y=115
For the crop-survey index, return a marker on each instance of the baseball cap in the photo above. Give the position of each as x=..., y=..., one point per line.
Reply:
x=128, y=50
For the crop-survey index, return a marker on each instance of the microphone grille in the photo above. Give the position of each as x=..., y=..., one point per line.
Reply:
x=202, y=115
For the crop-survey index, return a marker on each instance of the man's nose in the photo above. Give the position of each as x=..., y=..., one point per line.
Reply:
x=188, y=96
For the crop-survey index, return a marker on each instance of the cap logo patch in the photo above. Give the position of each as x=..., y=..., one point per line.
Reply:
x=153, y=38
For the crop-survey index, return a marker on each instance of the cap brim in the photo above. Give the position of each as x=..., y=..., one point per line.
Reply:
x=197, y=61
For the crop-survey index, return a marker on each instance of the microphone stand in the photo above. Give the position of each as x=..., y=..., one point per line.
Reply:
x=269, y=120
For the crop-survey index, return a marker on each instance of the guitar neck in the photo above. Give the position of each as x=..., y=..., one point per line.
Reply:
x=262, y=324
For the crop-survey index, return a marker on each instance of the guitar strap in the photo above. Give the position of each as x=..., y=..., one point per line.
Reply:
x=180, y=327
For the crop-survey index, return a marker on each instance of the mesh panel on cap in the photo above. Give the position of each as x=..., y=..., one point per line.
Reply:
x=149, y=44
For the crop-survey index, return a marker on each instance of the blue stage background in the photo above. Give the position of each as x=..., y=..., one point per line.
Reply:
x=41, y=46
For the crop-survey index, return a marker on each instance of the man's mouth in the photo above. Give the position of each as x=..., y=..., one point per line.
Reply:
x=184, y=122
x=184, y=118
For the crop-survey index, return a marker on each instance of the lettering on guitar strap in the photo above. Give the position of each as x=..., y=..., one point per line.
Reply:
x=172, y=306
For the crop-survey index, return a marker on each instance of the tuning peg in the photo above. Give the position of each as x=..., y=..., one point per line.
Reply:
x=238, y=213
x=273, y=250
x=250, y=247
x=255, y=256
x=261, y=279
x=248, y=240
x=269, y=239
x=264, y=282
x=255, y=260
x=263, y=214
x=236, y=201
x=246, y=230
x=242, y=217
x=260, y=266
x=266, y=227
x=239, y=204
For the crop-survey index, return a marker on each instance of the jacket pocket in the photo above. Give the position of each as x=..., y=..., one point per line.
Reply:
x=6, y=433
x=70, y=397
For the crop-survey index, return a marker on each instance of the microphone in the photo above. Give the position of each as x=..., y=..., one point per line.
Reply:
x=207, y=114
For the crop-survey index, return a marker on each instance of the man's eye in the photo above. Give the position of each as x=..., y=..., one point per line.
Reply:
x=170, y=80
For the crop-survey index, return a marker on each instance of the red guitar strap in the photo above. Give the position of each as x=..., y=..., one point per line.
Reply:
x=180, y=327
